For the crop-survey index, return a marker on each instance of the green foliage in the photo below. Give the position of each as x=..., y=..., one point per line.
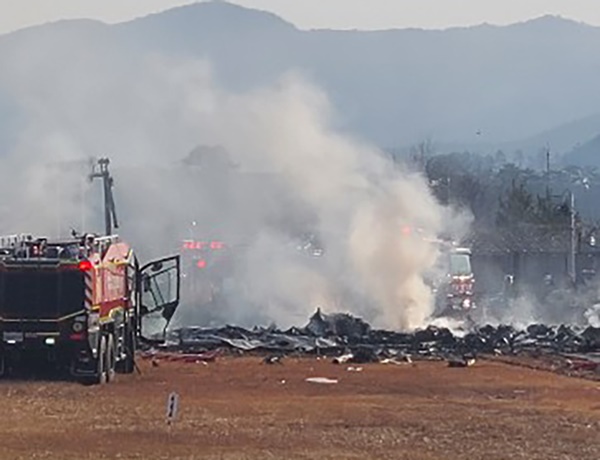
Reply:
x=549, y=212
x=517, y=207
x=498, y=192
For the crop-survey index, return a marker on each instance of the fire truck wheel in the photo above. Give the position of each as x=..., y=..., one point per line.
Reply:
x=100, y=376
x=110, y=358
x=127, y=365
x=102, y=361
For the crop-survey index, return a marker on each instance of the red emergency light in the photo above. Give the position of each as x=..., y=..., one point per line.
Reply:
x=462, y=284
x=85, y=266
x=190, y=245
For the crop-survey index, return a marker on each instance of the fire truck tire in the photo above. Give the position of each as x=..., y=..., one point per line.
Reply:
x=127, y=365
x=110, y=357
x=100, y=377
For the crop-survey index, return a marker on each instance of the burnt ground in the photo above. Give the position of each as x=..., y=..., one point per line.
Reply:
x=240, y=408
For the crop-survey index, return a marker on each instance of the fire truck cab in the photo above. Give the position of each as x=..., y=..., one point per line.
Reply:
x=455, y=297
x=81, y=305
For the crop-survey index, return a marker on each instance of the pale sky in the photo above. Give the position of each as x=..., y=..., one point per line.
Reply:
x=308, y=14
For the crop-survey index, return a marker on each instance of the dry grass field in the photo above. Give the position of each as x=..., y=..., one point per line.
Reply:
x=241, y=408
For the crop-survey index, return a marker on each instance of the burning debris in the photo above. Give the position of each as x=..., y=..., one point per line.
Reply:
x=338, y=324
x=351, y=340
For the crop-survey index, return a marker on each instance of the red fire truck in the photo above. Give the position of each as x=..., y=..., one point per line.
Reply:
x=81, y=304
x=455, y=295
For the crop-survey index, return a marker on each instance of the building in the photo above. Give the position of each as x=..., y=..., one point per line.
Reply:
x=535, y=255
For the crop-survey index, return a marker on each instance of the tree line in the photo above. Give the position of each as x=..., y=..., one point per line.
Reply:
x=498, y=192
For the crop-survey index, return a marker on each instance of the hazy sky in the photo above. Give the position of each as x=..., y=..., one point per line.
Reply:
x=358, y=14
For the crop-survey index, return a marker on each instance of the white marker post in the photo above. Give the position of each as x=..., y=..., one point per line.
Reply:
x=172, y=408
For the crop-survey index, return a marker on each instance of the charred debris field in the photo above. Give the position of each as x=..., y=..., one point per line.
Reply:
x=574, y=350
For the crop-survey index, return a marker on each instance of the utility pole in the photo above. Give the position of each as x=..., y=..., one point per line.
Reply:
x=110, y=213
x=572, y=249
x=548, y=173
x=572, y=269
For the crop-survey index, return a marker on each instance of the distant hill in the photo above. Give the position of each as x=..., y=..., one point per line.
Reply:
x=393, y=87
x=564, y=138
x=587, y=154
x=560, y=140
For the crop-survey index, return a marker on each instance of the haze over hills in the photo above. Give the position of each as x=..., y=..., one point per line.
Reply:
x=586, y=154
x=564, y=143
x=393, y=88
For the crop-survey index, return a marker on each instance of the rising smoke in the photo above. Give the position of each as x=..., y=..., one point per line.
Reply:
x=289, y=173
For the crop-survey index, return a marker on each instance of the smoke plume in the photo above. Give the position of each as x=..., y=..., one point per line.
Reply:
x=282, y=172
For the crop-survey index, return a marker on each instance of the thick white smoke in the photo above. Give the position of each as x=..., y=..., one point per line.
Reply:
x=288, y=173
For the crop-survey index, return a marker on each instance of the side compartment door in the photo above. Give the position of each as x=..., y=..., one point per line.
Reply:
x=158, y=290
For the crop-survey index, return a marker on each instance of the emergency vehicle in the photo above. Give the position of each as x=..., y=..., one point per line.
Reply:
x=455, y=296
x=80, y=304
x=85, y=303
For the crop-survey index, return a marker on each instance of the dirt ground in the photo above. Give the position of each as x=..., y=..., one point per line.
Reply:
x=240, y=408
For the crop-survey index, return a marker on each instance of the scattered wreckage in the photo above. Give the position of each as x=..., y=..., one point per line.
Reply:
x=347, y=339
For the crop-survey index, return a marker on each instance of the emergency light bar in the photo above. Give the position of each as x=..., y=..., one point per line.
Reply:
x=190, y=245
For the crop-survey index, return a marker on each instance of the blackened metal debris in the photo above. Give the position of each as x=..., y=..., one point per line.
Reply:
x=343, y=334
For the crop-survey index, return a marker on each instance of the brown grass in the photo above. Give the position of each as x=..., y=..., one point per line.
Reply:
x=239, y=408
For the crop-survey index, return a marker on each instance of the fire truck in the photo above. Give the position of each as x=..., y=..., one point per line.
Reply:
x=455, y=295
x=82, y=304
